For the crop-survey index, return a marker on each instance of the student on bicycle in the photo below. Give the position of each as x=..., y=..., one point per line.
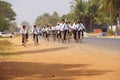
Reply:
x=74, y=29
x=24, y=33
x=35, y=33
x=53, y=29
x=66, y=29
x=58, y=31
x=79, y=29
x=83, y=29
x=62, y=25
x=44, y=32
x=47, y=30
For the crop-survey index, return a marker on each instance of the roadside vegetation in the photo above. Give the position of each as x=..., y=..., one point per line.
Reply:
x=5, y=46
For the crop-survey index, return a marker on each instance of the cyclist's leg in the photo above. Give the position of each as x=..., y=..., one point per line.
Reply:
x=79, y=36
x=65, y=34
x=75, y=34
x=22, y=39
x=68, y=35
x=27, y=36
x=33, y=37
x=37, y=37
x=82, y=33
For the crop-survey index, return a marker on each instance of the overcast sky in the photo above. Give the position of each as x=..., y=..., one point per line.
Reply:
x=29, y=10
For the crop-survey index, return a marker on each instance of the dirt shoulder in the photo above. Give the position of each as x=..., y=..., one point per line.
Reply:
x=57, y=61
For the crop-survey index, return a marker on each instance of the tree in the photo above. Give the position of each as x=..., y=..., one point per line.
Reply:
x=28, y=26
x=78, y=8
x=13, y=27
x=112, y=8
x=47, y=19
x=6, y=15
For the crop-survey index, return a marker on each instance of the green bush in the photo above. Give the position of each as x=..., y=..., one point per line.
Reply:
x=118, y=30
x=110, y=33
x=4, y=45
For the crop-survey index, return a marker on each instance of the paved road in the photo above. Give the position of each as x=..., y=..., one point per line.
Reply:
x=107, y=43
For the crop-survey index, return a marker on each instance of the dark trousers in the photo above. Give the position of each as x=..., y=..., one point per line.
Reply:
x=79, y=33
x=82, y=33
x=44, y=33
x=24, y=36
x=59, y=34
x=65, y=32
x=35, y=36
x=74, y=34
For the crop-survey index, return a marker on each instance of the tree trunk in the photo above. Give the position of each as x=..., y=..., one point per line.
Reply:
x=91, y=24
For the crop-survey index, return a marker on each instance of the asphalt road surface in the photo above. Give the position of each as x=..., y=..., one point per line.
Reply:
x=107, y=43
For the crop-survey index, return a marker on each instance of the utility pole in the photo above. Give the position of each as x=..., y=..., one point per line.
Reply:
x=111, y=18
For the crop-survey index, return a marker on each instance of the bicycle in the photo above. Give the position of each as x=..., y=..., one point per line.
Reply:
x=36, y=39
x=24, y=40
x=79, y=36
x=77, y=41
x=62, y=36
x=47, y=36
x=54, y=35
x=67, y=37
x=58, y=35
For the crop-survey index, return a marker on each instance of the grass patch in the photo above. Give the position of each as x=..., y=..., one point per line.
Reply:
x=110, y=33
x=6, y=53
x=5, y=46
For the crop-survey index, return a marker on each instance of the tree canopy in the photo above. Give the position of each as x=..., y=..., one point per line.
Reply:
x=47, y=19
x=6, y=14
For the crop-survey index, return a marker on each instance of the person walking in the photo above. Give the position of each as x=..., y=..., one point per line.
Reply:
x=35, y=34
x=24, y=33
x=66, y=30
x=74, y=29
x=62, y=25
x=47, y=30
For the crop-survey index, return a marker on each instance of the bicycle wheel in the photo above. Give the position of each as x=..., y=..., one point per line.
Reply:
x=25, y=41
x=77, y=37
x=36, y=40
x=81, y=37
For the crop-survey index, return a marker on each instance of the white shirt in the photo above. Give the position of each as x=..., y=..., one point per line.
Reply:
x=35, y=31
x=62, y=25
x=57, y=27
x=47, y=29
x=79, y=27
x=23, y=31
x=118, y=23
x=74, y=26
x=82, y=25
x=43, y=29
x=53, y=28
x=66, y=27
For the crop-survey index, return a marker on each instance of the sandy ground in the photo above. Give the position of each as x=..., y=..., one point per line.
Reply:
x=57, y=61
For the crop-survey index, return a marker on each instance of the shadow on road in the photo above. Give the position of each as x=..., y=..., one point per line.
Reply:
x=11, y=70
x=41, y=51
x=33, y=51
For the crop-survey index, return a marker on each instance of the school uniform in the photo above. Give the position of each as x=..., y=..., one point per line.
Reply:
x=58, y=31
x=62, y=25
x=53, y=29
x=66, y=30
x=47, y=30
x=82, y=29
x=35, y=34
x=74, y=30
x=79, y=28
x=24, y=33
x=43, y=32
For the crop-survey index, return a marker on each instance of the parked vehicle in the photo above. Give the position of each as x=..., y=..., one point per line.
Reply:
x=6, y=35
